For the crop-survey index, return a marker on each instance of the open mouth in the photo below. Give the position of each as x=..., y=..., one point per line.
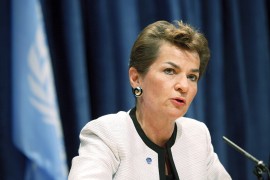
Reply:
x=180, y=100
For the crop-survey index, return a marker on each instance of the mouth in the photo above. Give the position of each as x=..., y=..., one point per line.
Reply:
x=180, y=100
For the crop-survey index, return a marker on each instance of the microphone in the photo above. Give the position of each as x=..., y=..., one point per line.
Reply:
x=260, y=167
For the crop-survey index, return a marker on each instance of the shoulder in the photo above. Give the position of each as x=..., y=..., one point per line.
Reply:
x=191, y=127
x=186, y=122
x=108, y=123
x=109, y=119
x=99, y=147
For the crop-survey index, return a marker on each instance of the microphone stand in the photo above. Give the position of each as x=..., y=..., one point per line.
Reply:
x=260, y=167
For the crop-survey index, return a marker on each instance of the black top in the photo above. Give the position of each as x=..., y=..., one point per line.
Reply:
x=169, y=177
x=164, y=154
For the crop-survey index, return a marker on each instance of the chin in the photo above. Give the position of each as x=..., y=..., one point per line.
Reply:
x=177, y=113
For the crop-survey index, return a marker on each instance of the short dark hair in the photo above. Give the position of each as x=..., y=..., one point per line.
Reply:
x=145, y=49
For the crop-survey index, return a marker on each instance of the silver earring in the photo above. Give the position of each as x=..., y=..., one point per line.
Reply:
x=137, y=91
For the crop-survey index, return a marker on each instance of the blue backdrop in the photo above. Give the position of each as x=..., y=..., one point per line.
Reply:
x=89, y=44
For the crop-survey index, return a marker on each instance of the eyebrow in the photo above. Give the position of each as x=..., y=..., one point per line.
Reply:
x=178, y=67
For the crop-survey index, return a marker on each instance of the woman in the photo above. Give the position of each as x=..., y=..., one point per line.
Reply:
x=154, y=140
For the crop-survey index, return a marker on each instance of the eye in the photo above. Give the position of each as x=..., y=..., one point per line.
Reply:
x=193, y=77
x=169, y=71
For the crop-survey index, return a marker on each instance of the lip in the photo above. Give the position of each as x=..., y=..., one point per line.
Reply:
x=179, y=101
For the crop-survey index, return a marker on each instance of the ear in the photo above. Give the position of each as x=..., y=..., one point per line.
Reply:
x=134, y=77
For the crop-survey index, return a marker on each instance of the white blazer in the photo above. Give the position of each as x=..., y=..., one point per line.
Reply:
x=115, y=147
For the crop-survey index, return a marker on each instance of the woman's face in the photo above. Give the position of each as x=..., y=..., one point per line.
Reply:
x=170, y=84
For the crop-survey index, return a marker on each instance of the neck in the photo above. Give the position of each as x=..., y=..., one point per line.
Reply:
x=157, y=129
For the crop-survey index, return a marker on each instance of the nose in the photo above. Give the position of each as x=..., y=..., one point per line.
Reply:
x=181, y=84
